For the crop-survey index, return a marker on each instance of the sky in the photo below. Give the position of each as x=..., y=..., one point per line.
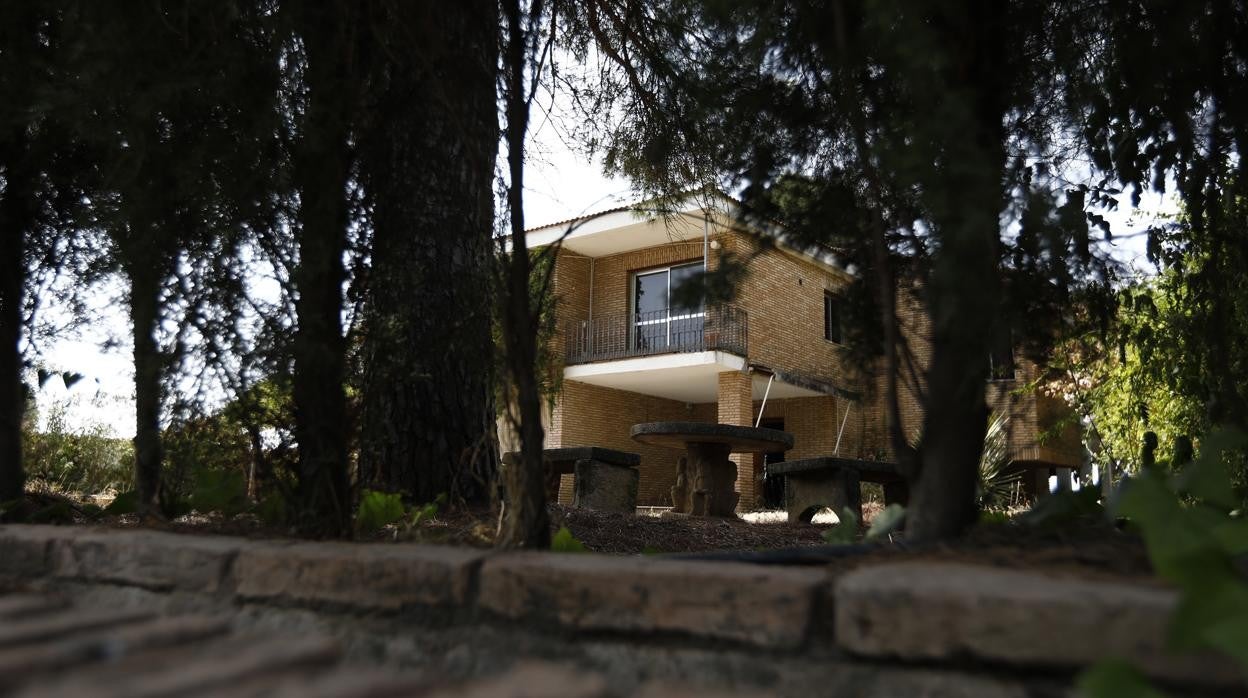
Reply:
x=559, y=184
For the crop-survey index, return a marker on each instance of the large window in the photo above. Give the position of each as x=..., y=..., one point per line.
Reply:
x=833, y=327
x=665, y=314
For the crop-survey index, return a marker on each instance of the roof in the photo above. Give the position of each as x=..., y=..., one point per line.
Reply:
x=825, y=254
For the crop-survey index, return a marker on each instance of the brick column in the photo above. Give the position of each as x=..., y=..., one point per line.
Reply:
x=736, y=406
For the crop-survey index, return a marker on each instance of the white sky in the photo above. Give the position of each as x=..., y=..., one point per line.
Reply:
x=559, y=184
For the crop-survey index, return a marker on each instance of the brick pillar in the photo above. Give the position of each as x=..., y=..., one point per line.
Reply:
x=736, y=406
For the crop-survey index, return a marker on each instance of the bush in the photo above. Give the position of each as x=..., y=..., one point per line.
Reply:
x=87, y=461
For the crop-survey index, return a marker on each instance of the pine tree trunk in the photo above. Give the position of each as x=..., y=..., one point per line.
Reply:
x=148, y=453
x=428, y=164
x=15, y=222
x=965, y=282
x=322, y=168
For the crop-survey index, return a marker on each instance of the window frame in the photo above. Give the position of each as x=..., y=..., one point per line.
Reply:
x=833, y=299
x=632, y=301
x=992, y=355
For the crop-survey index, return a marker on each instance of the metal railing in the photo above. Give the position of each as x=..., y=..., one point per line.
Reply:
x=668, y=331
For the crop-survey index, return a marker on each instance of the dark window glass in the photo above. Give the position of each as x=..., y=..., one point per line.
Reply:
x=684, y=299
x=1001, y=357
x=832, y=328
x=651, y=294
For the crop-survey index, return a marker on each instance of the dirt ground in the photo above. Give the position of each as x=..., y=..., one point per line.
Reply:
x=1088, y=548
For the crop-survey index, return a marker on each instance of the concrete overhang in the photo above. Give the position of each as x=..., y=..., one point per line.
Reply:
x=691, y=377
x=621, y=231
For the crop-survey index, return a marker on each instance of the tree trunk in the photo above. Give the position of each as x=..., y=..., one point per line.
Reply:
x=964, y=290
x=322, y=169
x=428, y=165
x=525, y=523
x=144, y=317
x=16, y=215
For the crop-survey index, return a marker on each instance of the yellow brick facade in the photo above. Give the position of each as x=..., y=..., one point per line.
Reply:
x=783, y=294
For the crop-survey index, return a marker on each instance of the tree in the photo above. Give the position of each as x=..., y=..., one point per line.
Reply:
x=524, y=523
x=332, y=65
x=1166, y=107
x=46, y=174
x=175, y=102
x=19, y=44
x=427, y=162
x=918, y=130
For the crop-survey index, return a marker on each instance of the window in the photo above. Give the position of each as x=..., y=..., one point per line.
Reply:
x=1001, y=356
x=833, y=329
x=663, y=316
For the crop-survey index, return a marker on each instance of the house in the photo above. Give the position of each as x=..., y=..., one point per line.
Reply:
x=634, y=349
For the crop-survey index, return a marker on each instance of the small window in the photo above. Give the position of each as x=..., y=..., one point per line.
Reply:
x=833, y=330
x=1001, y=357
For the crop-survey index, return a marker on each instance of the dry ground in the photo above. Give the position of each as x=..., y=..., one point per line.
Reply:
x=1084, y=548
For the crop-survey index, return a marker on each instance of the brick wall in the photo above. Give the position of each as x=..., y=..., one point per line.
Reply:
x=783, y=296
x=590, y=415
x=736, y=406
x=1032, y=416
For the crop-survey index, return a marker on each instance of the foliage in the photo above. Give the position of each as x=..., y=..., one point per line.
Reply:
x=426, y=512
x=887, y=521
x=221, y=491
x=1195, y=536
x=996, y=486
x=378, y=510
x=86, y=460
x=845, y=530
x=1151, y=369
x=1114, y=678
x=124, y=503
x=564, y=542
x=548, y=368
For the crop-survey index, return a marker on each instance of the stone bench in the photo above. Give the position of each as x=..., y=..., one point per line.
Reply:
x=814, y=483
x=604, y=479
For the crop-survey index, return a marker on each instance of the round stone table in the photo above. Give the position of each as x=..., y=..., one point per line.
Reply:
x=705, y=477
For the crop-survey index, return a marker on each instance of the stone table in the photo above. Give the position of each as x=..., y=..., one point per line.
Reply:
x=563, y=461
x=706, y=478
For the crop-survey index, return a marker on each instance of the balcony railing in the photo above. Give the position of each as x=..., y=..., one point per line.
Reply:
x=669, y=331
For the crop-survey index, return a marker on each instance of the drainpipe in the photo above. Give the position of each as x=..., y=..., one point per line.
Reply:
x=837, y=451
x=763, y=406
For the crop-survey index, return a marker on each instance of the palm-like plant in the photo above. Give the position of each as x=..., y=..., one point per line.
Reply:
x=997, y=487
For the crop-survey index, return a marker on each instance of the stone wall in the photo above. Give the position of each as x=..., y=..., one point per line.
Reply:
x=905, y=628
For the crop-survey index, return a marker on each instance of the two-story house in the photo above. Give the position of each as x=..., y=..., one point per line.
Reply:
x=635, y=349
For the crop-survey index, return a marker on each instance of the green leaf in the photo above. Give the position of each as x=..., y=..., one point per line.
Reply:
x=378, y=510
x=845, y=531
x=565, y=542
x=887, y=521
x=1114, y=678
x=272, y=509
x=1207, y=478
x=1232, y=535
x=55, y=513
x=1196, y=612
x=222, y=491
x=124, y=503
x=1230, y=636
